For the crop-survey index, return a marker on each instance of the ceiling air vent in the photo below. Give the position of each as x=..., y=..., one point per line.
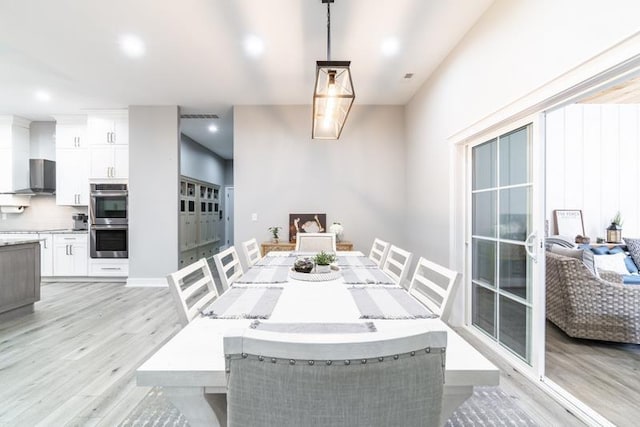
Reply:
x=199, y=116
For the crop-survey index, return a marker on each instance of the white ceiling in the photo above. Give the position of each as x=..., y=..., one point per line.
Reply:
x=195, y=56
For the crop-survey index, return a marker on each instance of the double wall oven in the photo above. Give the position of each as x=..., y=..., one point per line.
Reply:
x=108, y=210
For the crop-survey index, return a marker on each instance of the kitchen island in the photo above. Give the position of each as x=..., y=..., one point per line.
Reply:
x=19, y=276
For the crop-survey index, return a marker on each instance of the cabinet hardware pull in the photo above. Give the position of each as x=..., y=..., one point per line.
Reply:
x=66, y=249
x=70, y=249
x=110, y=268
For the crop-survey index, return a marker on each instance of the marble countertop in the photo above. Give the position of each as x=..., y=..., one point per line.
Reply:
x=53, y=231
x=17, y=241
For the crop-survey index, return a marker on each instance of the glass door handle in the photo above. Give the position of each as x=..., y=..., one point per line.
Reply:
x=529, y=246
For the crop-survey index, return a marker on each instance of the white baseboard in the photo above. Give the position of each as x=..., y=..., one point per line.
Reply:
x=146, y=282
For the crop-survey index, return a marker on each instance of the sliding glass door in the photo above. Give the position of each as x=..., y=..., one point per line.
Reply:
x=503, y=244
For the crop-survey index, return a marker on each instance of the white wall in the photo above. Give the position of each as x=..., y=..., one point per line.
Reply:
x=154, y=156
x=592, y=164
x=515, y=48
x=198, y=162
x=357, y=180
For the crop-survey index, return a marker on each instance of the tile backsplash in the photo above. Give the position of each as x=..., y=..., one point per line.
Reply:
x=42, y=214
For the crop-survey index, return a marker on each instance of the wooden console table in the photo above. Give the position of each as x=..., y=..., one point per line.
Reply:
x=267, y=247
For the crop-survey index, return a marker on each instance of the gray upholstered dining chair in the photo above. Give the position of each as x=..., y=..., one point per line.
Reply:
x=315, y=242
x=329, y=380
x=192, y=289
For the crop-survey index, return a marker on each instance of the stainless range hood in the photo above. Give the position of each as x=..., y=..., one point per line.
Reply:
x=42, y=178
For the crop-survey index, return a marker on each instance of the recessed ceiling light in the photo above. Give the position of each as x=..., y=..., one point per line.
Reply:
x=43, y=96
x=213, y=128
x=132, y=45
x=390, y=46
x=253, y=45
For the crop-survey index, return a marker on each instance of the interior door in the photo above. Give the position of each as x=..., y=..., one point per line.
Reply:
x=504, y=244
x=229, y=217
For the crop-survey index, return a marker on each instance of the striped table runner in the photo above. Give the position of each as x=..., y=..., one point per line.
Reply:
x=388, y=303
x=265, y=275
x=355, y=261
x=360, y=276
x=314, y=328
x=272, y=261
x=244, y=303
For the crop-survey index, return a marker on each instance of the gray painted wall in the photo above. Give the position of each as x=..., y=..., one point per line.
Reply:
x=154, y=151
x=198, y=162
x=358, y=180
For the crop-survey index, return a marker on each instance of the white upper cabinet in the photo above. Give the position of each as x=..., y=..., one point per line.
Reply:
x=109, y=129
x=108, y=134
x=14, y=153
x=72, y=177
x=71, y=135
x=72, y=161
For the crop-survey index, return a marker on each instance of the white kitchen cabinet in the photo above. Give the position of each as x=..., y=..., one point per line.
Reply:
x=109, y=267
x=46, y=254
x=72, y=160
x=108, y=134
x=72, y=177
x=71, y=136
x=70, y=254
x=14, y=153
x=109, y=162
x=108, y=128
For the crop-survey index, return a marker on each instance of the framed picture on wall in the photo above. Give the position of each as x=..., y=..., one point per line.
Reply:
x=568, y=222
x=306, y=223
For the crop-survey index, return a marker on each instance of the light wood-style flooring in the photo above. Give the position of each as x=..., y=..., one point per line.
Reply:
x=72, y=361
x=605, y=376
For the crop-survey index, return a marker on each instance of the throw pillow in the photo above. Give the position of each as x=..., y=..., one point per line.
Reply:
x=588, y=261
x=633, y=245
x=631, y=266
x=615, y=250
x=613, y=263
x=600, y=250
x=571, y=253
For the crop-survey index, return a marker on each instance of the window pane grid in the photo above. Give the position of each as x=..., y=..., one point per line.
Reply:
x=507, y=231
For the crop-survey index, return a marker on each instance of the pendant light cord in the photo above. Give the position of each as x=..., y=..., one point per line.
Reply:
x=328, y=31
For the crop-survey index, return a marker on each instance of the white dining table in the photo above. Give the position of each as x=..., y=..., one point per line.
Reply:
x=191, y=366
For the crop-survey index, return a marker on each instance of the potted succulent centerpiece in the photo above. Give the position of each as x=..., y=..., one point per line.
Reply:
x=274, y=233
x=323, y=262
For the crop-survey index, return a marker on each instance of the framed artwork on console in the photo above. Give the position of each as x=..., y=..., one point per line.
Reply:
x=568, y=222
x=306, y=223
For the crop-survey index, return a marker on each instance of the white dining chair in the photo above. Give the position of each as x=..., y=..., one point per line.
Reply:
x=251, y=252
x=434, y=286
x=192, y=289
x=288, y=379
x=396, y=264
x=379, y=251
x=315, y=242
x=228, y=266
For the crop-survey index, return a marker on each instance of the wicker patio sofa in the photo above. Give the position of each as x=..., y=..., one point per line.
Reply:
x=585, y=306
